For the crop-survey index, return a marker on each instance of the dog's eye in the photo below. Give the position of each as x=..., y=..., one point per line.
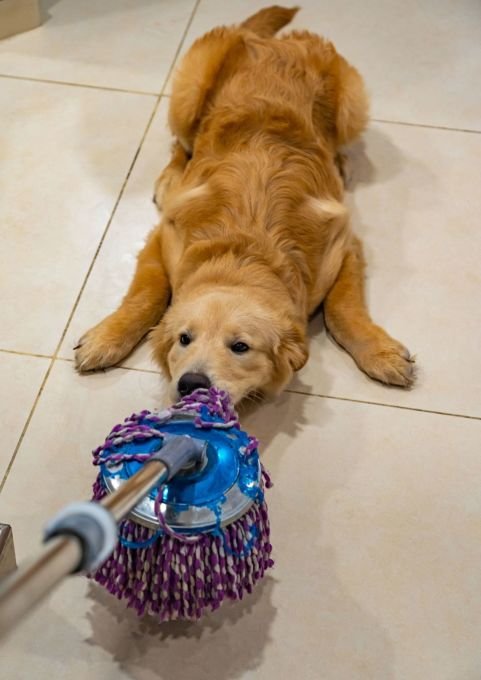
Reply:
x=239, y=347
x=185, y=339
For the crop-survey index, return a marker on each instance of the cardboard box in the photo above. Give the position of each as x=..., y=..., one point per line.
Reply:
x=17, y=16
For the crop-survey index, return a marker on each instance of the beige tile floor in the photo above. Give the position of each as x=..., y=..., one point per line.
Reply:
x=376, y=509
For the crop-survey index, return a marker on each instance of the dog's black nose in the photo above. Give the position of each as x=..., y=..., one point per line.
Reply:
x=192, y=381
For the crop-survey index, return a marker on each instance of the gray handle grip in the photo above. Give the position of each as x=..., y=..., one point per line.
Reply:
x=178, y=452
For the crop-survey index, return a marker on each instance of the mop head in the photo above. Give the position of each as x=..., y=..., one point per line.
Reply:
x=204, y=536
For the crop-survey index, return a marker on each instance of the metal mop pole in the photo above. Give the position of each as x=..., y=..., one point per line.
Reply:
x=83, y=535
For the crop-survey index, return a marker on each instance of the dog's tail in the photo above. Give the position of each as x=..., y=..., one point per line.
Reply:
x=269, y=20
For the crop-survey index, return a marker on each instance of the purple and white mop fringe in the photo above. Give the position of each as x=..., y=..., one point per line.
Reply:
x=175, y=576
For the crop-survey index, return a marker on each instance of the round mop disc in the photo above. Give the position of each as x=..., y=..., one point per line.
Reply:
x=203, y=536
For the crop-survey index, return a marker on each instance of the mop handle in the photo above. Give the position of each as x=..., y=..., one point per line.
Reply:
x=83, y=535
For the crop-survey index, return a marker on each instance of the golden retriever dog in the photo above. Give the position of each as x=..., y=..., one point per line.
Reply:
x=253, y=234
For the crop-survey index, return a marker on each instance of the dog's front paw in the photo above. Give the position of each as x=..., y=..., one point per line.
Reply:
x=102, y=346
x=388, y=361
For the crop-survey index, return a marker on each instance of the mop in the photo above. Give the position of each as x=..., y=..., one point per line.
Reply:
x=177, y=524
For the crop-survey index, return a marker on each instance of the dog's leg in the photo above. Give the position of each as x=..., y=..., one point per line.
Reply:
x=210, y=61
x=172, y=173
x=115, y=337
x=348, y=320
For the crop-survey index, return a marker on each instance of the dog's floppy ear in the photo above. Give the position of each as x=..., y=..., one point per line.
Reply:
x=290, y=354
x=162, y=340
x=293, y=346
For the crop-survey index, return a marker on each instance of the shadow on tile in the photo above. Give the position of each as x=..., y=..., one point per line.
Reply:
x=351, y=643
x=332, y=633
x=265, y=419
x=317, y=333
x=232, y=639
x=362, y=170
x=45, y=7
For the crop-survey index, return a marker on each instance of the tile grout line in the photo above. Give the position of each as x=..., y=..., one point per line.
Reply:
x=367, y=402
x=26, y=354
x=351, y=400
x=26, y=424
x=180, y=45
x=146, y=93
x=318, y=396
x=445, y=128
x=113, y=368
x=384, y=405
x=102, y=88
x=75, y=305
x=102, y=239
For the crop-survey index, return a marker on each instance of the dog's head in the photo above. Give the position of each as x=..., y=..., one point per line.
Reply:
x=234, y=338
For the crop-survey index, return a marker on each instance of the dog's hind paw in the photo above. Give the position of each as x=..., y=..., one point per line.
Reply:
x=388, y=361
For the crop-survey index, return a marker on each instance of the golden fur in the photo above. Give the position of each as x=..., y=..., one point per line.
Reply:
x=254, y=235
